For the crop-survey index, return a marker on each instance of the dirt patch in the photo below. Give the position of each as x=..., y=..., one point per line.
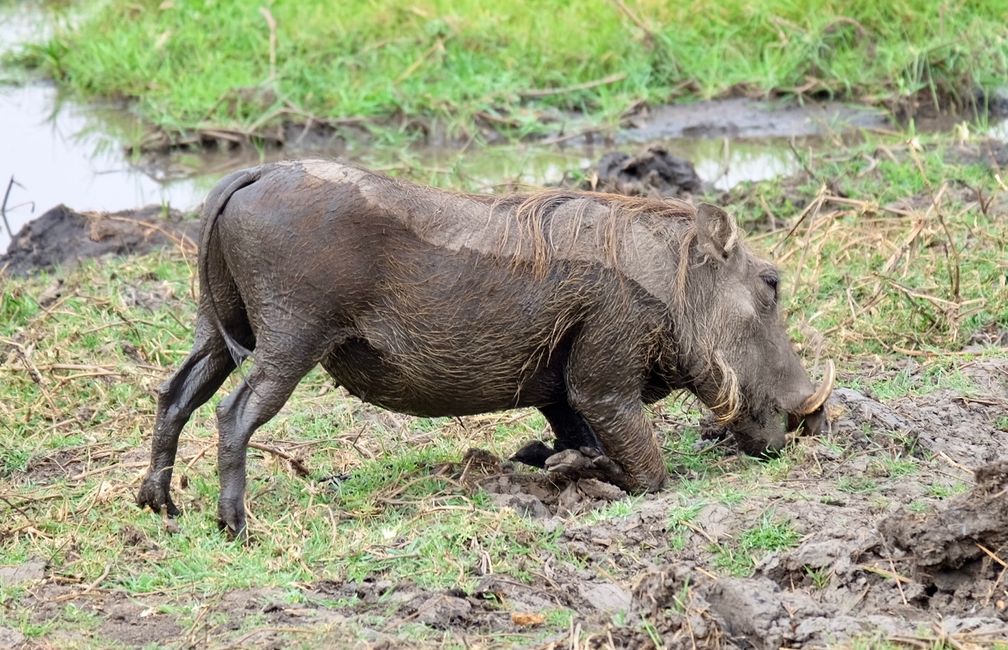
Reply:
x=63, y=237
x=988, y=152
x=22, y=574
x=10, y=638
x=748, y=118
x=955, y=554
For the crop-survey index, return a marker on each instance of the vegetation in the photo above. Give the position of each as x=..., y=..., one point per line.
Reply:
x=520, y=68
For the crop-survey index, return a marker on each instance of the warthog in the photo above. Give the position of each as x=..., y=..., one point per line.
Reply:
x=586, y=306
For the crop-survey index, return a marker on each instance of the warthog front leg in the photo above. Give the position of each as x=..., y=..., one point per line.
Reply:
x=611, y=406
x=195, y=381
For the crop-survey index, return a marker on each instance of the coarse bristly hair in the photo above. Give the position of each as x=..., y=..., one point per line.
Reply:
x=530, y=237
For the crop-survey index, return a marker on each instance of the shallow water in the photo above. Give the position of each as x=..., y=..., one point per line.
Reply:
x=58, y=153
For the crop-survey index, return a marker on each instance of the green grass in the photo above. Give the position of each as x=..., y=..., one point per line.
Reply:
x=820, y=577
x=946, y=489
x=190, y=63
x=844, y=276
x=769, y=535
x=615, y=510
x=855, y=485
x=918, y=382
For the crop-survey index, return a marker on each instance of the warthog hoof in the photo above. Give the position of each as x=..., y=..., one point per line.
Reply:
x=155, y=495
x=587, y=462
x=231, y=519
x=534, y=453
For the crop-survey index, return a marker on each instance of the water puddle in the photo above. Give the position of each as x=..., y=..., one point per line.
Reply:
x=999, y=131
x=62, y=153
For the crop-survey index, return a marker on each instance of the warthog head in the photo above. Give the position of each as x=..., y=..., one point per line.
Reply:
x=745, y=367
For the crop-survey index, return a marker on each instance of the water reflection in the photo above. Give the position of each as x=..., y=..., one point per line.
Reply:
x=57, y=155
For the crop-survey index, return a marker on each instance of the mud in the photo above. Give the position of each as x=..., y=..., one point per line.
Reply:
x=888, y=561
x=63, y=238
x=946, y=550
x=747, y=118
x=653, y=172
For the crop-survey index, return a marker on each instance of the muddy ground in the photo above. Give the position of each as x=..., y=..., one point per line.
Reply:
x=62, y=237
x=881, y=556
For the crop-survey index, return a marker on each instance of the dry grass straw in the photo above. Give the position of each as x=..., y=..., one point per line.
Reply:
x=900, y=258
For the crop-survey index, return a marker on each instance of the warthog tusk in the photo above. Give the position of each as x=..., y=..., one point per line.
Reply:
x=815, y=401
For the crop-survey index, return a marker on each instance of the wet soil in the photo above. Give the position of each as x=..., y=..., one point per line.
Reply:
x=881, y=556
x=653, y=172
x=741, y=117
x=63, y=238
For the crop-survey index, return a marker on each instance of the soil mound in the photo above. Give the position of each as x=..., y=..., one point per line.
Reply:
x=63, y=237
x=958, y=554
x=533, y=494
x=654, y=172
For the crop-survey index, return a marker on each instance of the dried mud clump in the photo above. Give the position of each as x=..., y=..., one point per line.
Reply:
x=533, y=494
x=63, y=237
x=654, y=172
x=666, y=605
x=958, y=554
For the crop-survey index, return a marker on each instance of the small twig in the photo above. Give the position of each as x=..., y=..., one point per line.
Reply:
x=886, y=574
x=15, y=507
x=954, y=263
x=202, y=452
x=88, y=588
x=803, y=162
x=3, y=208
x=892, y=565
x=813, y=206
x=405, y=74
x=34, y=373
x=636, y=20
x=992, y=555
x=271, y=22
x=296, y=464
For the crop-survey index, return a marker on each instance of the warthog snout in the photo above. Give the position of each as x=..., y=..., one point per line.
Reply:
x=811, y=415
x=770, y=433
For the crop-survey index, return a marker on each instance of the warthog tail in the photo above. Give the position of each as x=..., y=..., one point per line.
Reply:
x=214, y=205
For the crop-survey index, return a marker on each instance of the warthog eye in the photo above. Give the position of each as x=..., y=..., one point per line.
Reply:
x=771, y=281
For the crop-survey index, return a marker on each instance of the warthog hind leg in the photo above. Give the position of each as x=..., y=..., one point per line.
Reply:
x=257, y=399
x=195, y=381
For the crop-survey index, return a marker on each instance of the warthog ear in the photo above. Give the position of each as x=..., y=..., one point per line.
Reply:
x=716, y=232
